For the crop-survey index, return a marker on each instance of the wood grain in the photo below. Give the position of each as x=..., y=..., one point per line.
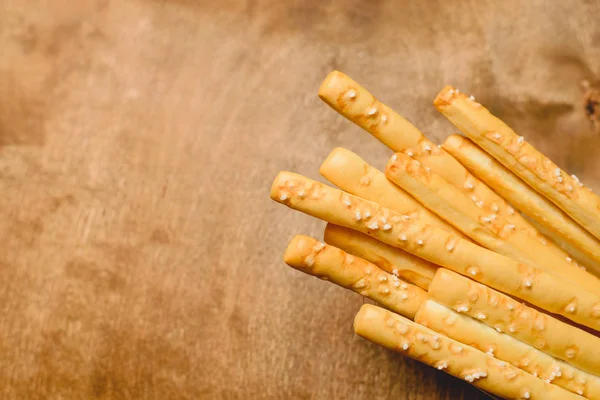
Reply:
x=140, y=255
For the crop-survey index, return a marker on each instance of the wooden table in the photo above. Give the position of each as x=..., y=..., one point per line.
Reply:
x=140, y=255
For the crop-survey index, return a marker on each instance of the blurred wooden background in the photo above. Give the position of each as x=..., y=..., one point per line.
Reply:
x=140, y=255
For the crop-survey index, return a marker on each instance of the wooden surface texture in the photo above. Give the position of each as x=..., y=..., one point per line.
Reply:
x=140, y=255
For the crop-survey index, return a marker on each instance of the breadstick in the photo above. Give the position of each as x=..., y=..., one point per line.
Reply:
x=556, y=224
x=531, y=284
x=330, y=263
x=412, y=269
x=537, y=170
x=489, y=230
x=506, y=348
x=355, y=103
x=573, y=345
x=352, y=174
x=457, y=359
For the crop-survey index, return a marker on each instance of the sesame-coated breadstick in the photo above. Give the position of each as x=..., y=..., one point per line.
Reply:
x=555, y=223
x=391, y=259
x=330, y=263
x=506, y=348
x=537, y=170
x=569, y=343
x=355, y=103
x=352, y=174
x=457, y=359
x=489, y=230
x=531, y=284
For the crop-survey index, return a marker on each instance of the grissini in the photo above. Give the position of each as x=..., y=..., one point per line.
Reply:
x=531, y=284
x=457, y=359
x=406, y=266
x=554, y=222
x=352, y=174
x=490, y=230
x=330, y=263
x=573, y=345
x=355, y=103
x=537, y=170
x=506, y=348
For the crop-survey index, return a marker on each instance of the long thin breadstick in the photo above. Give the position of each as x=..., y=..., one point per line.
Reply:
x=465, y=362
x=573, y=345
x=330, y=263
x=557, y=225
x=537, y=170
x=412, y=269
x=489, y=230
x=437, y=246
x=352, y=174
x=506, y=348
x=355, y=103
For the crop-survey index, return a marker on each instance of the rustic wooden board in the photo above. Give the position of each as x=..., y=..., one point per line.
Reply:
x=140, y=256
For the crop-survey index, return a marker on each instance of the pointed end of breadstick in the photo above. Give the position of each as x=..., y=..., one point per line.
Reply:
x=454, y=142
x=298, y=250
x=366, y=318
x=333, y=88
x=335, y=162
x=445, y=97
x=279, y=191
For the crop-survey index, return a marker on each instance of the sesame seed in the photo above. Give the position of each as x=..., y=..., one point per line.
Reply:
x=373, y=225
x=396, y=284
x=527, y=283
x=495, y=207
x=319, y=246
x=498, y=329
x=395, y=271
x=520, y=139
x=301, y=194
x=309, y=261
x=421, y=337
x=427, y=147
x=403, y=296
x=347, y=202
x=403, y=238
x=407, y=217
x=394, y=158
x=479, y=204
x=510, y=306
x=526, y=395
x=283, y=197
x=402, y=328
x=352, y=94
x=405, y=346
x=357, y=216
x=472, y=98
x=468, y=185
x=510, y=226
x=439, y=146
x=481, y=316
x=409, y=153
x=569, y=259
x=557, y=172
x=387, y=227
x=462, y=309
x=372, y=111
x=457, y=91
x=403, y=286
x=497, y=136
x=386, y=291
x=427, y=169
x=442, y=365
x=382, y=278
x=384, y=118
x=420, y=242
x=368, y=270
x=510, y=210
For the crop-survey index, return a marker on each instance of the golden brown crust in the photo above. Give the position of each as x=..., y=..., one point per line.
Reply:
x=465, y=362
x=537, y=170
x=355, y=103
x=332, y=264
x=573, y=345
x=554, y=222
x=531, y=284
x=506, y=348
x=412, y=269
x=352, y=174
x=492, y=231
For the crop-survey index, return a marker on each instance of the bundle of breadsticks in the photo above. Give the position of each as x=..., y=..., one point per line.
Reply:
x=481, y=252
